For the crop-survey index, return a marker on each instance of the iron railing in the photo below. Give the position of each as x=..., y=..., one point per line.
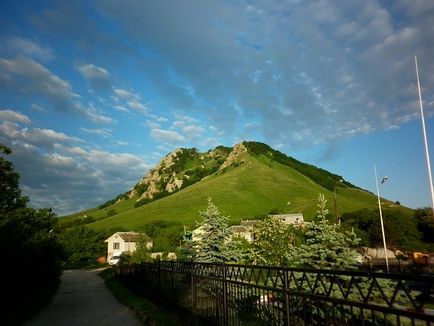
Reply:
x=226, y=294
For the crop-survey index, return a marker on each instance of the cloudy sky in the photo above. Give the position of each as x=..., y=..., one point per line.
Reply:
x=93, y=94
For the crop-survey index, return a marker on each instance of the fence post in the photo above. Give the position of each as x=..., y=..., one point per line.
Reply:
x=193, y=289
x=287, y=319
x=172, y=273
x=159, y=277
x=225, y=297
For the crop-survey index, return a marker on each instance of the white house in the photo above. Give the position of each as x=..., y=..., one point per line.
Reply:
x=292, y=219
x=241, y=232
x=125, y=242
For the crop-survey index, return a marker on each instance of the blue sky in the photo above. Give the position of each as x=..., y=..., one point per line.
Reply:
x=93, y=94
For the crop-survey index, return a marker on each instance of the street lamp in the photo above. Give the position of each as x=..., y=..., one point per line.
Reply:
x=383, y=180
x=336, y=202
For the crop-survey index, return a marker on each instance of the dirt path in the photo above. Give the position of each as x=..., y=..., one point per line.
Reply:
x=83, y=299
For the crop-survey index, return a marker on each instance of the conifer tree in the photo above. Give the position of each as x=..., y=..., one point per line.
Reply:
x=326, y=246
x=214, y=243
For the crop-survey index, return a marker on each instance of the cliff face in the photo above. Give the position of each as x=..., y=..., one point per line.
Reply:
x=152, y=183
x=184, y=167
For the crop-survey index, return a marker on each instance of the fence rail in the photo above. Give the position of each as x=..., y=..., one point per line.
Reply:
x=226, y=294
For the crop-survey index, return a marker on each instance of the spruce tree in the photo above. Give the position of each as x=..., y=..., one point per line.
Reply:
x=214, y=244
x=326, y=245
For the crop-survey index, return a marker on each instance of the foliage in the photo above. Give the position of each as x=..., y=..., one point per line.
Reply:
x=82, y=244
x=146, y=310
x=29, y=242
x=326, y=246
x=425, y=223
x=400, y=228
x=114, y=200
x=10, y=193
x=322, y=177
x=111, y=212
x=142, y=253
x=213, y=244
x=272, y=239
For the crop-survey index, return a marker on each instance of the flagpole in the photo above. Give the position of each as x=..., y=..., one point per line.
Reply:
x=428, y=163
x=381, y=217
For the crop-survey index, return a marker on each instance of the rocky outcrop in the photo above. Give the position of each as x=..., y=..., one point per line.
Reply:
x=234, y=157
x=155, y=178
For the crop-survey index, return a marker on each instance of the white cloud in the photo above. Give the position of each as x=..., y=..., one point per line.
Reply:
x=14, y=116
x=136, y=105
x=125, y=95
x=98, y=78
x=29, y=48
x=38, y=107
x=106, y=133
x=94, y=115
x=169, y=136
x=28, y=77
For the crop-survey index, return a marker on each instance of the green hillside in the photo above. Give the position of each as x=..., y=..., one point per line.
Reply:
x=252, y=186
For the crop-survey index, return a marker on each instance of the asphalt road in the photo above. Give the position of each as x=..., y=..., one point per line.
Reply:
x=83, y=299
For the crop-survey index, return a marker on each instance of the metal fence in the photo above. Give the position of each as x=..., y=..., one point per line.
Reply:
x=226, y=294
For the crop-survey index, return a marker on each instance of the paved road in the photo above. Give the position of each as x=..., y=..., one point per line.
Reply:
x=83, y=299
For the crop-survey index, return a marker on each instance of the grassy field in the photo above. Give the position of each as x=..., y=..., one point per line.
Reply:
x=252, y=189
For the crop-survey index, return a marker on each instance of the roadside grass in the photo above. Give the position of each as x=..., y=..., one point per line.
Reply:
x=148, y=313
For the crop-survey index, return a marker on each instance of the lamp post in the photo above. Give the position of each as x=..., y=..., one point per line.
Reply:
x=336, y=202
x=383, y=180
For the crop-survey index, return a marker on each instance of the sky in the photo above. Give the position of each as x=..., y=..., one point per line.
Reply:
x=94, y=93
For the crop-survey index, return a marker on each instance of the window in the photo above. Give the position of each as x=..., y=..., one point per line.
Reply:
x=116, y=245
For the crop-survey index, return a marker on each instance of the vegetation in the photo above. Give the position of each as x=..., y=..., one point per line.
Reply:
x=264, y=184
x=29, y=240
x=325, y=245
x=148, y=312
x=272, y=240
x=320, y=176
x=83, y=246
x=400, y=228
x=214, y=244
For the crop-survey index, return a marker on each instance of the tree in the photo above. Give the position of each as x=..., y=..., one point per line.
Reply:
x=82, y=244
x=326, y=246
x=425, y=224
x=142, y=253
x=214, y=244
x=10, y=193
x=31, y=253
x=272, y=240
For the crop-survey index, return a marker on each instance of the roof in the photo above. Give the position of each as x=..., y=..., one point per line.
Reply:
x=238, y=228
x=131, y=236
x=249, y=223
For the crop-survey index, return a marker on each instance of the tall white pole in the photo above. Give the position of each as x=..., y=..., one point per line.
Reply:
x=381, y=219
x=428, y=163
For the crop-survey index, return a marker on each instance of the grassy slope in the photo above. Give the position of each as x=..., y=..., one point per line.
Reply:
x=251, y=189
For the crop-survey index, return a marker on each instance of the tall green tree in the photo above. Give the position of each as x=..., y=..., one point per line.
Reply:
x=214, y=243
x=272, y=242
x=326, y=245
x=31, y=257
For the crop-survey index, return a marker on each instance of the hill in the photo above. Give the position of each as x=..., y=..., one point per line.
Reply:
x=247, y=181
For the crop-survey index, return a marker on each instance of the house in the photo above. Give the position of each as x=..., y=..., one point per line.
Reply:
x=249, y=224
x=125, y=242
x=292, y=219
x=241, y=232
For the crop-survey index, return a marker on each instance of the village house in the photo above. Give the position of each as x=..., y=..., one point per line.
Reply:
x=241, y=232
x=125, y=243
x=291, y=219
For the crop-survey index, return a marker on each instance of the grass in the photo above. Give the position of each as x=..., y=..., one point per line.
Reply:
x=251, y=190
x=148, y=313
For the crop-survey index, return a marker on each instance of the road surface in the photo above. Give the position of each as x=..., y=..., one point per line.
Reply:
x=83, y=299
